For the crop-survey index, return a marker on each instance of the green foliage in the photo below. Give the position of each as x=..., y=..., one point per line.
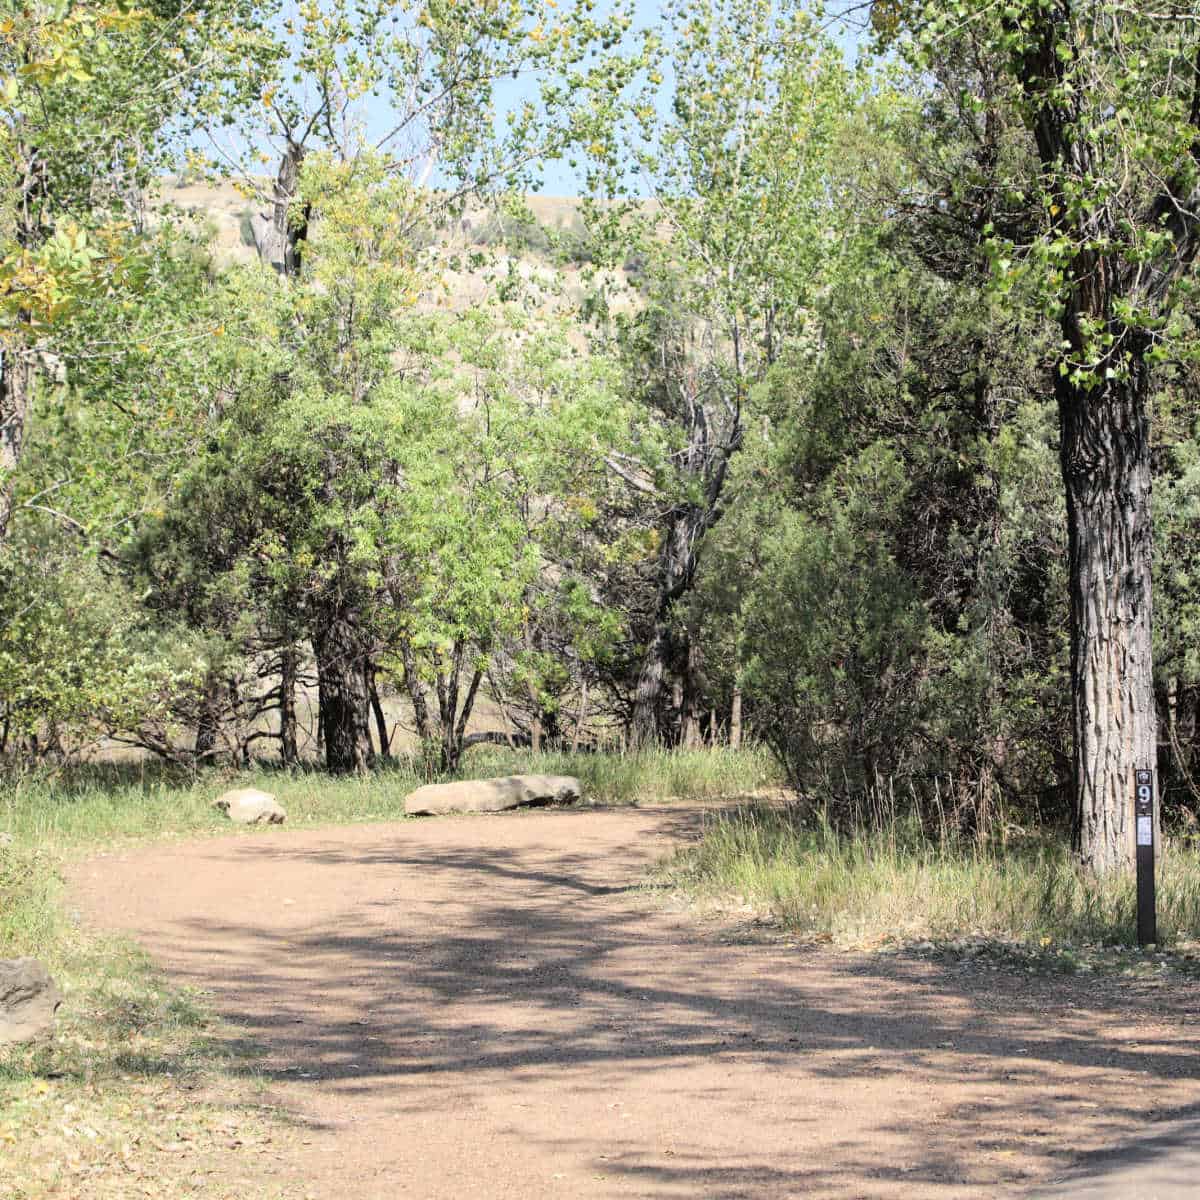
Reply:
x=91, y=92
x=1109, y=96
x=834, y=632
x=76, y=658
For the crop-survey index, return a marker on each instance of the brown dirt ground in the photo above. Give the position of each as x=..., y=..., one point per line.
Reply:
x=493, y=1007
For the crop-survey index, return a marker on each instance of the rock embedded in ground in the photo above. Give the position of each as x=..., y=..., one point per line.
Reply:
x=491, y=795
x=28, y=1000
x=249, y=806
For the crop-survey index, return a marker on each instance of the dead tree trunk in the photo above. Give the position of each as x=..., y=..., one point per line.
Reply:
x=279, y=234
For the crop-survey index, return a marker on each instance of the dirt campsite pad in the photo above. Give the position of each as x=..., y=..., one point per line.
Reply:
x=493, y=1007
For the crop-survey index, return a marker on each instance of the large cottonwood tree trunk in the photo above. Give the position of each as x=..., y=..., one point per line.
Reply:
x=1104, y=385
x=1106, y=469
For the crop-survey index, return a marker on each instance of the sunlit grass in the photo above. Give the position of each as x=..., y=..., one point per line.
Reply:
x=896, y=884
x=645, y=777
x=138, y=1086
x=92, y=805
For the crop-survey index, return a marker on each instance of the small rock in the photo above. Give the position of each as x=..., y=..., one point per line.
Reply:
x=28, y=1000
x=6, y=839
x=249, y=806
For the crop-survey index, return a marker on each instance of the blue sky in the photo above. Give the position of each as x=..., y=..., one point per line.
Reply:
x=558, y=177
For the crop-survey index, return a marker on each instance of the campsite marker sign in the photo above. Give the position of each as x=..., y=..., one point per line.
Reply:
x=1143, y=812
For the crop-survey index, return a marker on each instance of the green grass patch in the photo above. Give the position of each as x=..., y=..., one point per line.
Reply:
x=896, y=885
x=92, y=806
x=643, y=777
x=95, y=805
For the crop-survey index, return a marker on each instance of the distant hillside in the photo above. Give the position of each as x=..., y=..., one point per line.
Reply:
x=550, y=250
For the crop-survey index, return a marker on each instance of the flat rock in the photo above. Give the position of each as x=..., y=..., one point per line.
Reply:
x=491, y=795
x=28, y=1000
x=249, y=806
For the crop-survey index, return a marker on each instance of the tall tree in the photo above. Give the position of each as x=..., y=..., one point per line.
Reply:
x=1111, y=96
x=735, y=235
x=92, y=95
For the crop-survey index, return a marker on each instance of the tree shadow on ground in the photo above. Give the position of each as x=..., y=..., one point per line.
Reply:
x=461, y=969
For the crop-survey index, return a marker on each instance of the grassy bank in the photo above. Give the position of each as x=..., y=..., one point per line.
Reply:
x=140, y=1089
x=94, y=804
x=897, y=886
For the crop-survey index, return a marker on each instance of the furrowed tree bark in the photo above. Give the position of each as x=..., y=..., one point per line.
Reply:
x=344, y=700
x=647, y=702
x=1104, y=411
x=1106, y=469
x=677, y=570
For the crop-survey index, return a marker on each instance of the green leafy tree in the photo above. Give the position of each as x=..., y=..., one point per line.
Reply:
x=735, y=236
x=91, y=95
x=1109, y=95
x=370, y=481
